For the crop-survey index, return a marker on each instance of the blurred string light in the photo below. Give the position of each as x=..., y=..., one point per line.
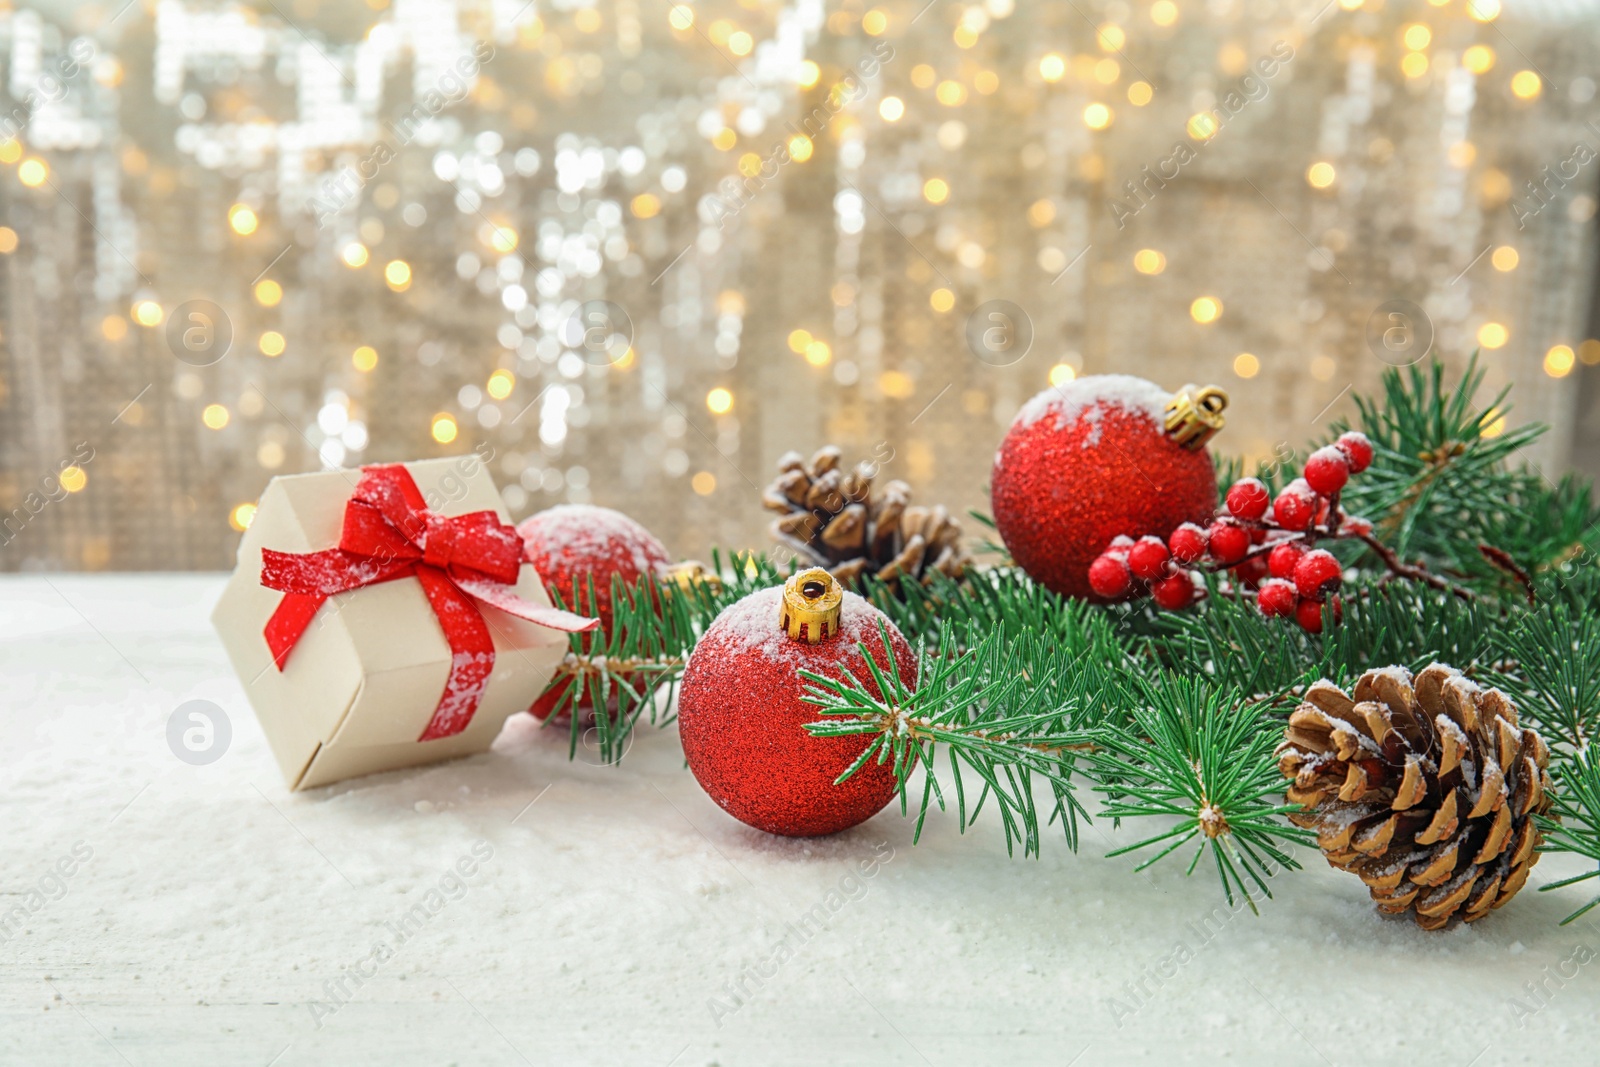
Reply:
x=1559, y=361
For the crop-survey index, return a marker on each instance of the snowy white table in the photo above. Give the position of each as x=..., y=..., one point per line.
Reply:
x=210, y=917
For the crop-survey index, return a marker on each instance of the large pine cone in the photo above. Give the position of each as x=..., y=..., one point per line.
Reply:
x=1427, y=790
x=830, y=519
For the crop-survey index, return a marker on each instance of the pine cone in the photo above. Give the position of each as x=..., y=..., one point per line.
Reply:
x=1427, y=791
x=830, y=519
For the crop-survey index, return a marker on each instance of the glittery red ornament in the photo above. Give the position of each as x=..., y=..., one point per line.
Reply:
x=572, y=543
x=741, y=717
x=1085, y=462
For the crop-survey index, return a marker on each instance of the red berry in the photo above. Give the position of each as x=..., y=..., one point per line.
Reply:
x=1147, y=559
x=1108, y=577
x=1357, y=449
x=1317, y=573
x=1294, y=507
x=1276, y=598
x=1354, y=526
x=1282, y=559
x=1252, y=571
x=1119, y=546
x=1174, y=591
x=1248, y=499
x=1327, y=470
x=1308, y=613
x=1229, y=543
x=1188, y=543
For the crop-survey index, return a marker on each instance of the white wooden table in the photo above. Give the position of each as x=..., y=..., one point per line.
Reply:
x=209, y=917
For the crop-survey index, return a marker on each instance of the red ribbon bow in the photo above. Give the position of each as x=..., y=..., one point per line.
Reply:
x=461, y=561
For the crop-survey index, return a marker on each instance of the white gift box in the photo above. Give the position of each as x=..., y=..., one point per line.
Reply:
x=364, y=680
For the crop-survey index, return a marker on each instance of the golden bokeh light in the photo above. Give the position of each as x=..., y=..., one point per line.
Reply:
x=1149, y=261
x=268, y=293
x=500, y=384
x=397, y=273
x=215, y=416
x=1246, y=365
x=271, y=344
x=941, y=300
x=364, y=358
x=1493, y=335
x=1205, y=310
x=1062, y=373
x=719, y=401
x=354, y=255
x=1559, y=361
x=243, y=219
x=242, y=516
x=73, y=478
x=444, y=428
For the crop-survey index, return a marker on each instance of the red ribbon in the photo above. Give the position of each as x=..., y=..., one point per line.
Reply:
x=462, y=562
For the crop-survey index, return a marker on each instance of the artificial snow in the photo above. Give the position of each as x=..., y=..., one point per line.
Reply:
x=577, y=533
x=1067, y=402
x=519, y=908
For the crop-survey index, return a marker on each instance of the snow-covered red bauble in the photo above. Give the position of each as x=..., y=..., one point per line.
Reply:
x=742, y=719
x=572, y=544
x=1093, y=459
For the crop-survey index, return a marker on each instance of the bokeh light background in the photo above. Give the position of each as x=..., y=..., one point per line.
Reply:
x=789, y=216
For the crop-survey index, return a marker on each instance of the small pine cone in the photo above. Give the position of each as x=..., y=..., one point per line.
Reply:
x=1427, y=790
x=831, y=518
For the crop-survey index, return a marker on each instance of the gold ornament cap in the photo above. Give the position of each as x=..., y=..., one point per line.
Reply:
x=1194, y=415
x=811, y=605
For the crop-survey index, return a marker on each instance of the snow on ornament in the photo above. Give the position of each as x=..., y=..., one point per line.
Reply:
x=742, y=720
x=1102, y=456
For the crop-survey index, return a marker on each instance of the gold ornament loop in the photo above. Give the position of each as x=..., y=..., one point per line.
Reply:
x=811, y=605
x=1194, y=415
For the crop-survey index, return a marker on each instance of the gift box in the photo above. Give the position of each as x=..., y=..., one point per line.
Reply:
x=384, y=618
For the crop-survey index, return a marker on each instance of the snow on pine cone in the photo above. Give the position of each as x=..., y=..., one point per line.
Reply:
x=831, y=519
x=1427, y=789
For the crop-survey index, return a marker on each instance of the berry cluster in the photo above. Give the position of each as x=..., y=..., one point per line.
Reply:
x=1269, y=545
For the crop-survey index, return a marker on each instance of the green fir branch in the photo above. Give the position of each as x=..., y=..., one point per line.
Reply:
x=1194, y=756
x=1573, y=825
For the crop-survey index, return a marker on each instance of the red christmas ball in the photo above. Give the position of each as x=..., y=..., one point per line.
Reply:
x=741, y=717
x=571, y=544
x=1085, y=462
